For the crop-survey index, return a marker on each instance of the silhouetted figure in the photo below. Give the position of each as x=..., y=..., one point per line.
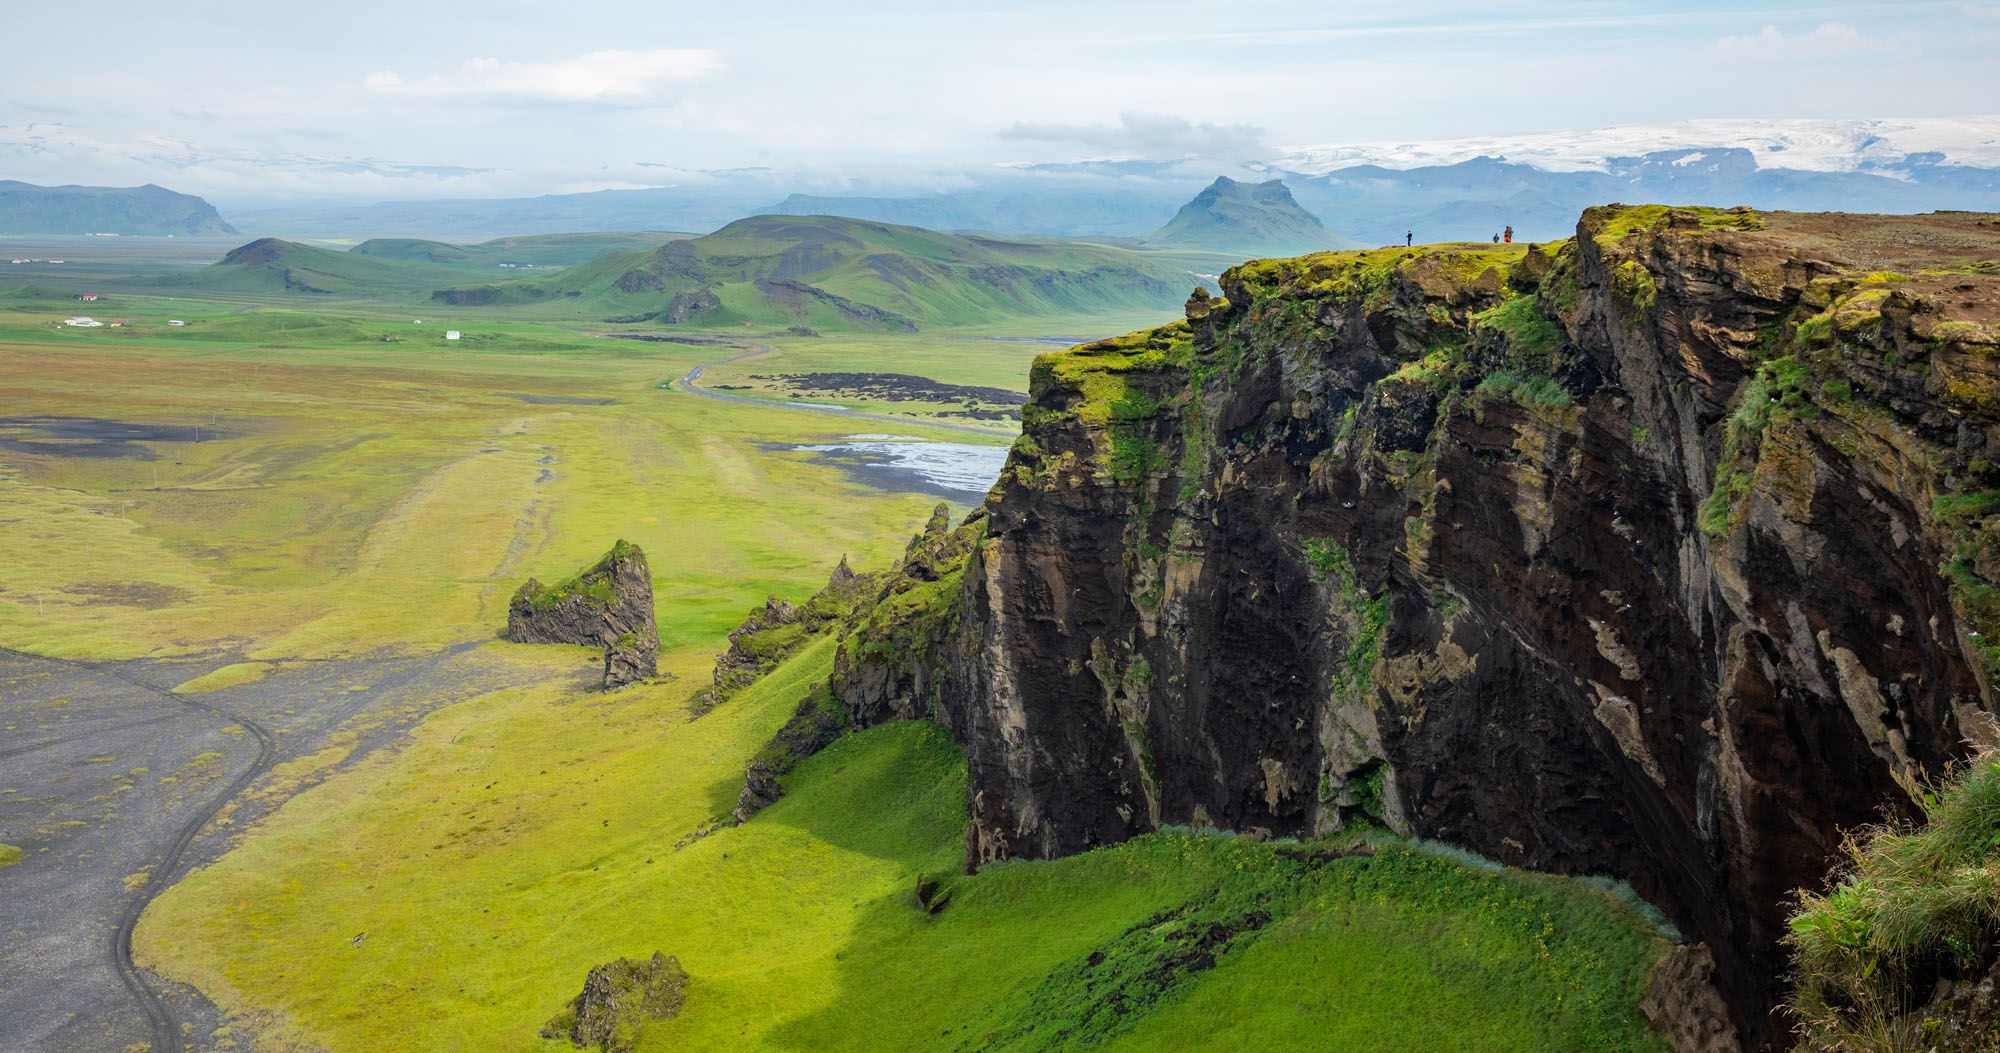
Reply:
x=1409, y=238
x=1508, y=234
x=1496, y=239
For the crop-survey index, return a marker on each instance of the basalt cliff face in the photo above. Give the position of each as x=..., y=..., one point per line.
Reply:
x=1660, y=554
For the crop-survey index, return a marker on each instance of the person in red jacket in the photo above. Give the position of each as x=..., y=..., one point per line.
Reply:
x=1508, y=234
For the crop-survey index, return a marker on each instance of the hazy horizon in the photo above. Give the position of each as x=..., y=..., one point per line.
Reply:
x=529, y=98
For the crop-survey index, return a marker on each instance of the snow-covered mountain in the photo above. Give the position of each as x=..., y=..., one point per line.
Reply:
x=1880, y=145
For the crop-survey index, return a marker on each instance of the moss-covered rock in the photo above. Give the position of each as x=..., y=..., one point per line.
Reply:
x=619, y=998
x=608, y=604
x=778, y=628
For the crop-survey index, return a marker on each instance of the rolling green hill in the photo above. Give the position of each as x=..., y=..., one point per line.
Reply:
x=29, y=209
x=837, y=273
x=272, y=265
x=1253, y=218
x=534, y=250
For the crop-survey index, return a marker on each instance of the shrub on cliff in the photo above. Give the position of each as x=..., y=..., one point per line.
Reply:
x=1904, y=952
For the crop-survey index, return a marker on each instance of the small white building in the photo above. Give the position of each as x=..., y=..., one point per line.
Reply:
x=175, y=322
x=83, y=321
x=451, y=334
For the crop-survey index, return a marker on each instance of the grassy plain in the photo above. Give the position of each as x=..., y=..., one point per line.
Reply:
x=348, y=494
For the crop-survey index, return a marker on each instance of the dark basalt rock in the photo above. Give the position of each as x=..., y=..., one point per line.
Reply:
x=1662, y=554
x=894, y=626
x=608, y=604
x=617, y=998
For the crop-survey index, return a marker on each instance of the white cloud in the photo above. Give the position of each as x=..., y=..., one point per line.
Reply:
x=597, y=76
x=1147, y=135
x=1771, y=42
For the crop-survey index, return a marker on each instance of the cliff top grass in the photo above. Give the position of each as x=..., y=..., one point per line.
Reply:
x=592, y=583
x=1367, y=273
x=1610, y=224
x=1101, y=371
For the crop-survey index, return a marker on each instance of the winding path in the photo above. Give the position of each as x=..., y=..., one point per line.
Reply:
x=166, y=1030
x=689, y=384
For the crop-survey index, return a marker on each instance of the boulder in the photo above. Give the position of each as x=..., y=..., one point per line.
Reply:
x=618, y=997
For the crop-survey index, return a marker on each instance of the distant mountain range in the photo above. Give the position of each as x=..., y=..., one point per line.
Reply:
x=692, y=209
x=1370, y=192
x=1811, y=145
x=1023, y=209
x=1473, y=199
x=1373, y=204
x=29, y=209
x=1255, y=219
x=534, y=250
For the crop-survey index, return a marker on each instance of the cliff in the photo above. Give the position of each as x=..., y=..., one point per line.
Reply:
x=29, y=209
x=1661, y=553
x=608, y=604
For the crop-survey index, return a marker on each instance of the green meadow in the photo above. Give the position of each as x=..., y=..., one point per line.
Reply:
x=329, y=476
x=359, y=494
x=452, y=897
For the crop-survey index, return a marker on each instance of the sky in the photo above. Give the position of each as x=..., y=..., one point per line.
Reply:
x=365, y=100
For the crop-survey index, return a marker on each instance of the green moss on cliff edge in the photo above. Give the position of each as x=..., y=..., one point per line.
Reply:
x=592, y=584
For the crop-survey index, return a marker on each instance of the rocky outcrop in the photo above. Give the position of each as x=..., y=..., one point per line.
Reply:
x=894, y=627
x=818, y=721
x=890, y=665
x=618, y=997
x=778, y=628
x=1684, y=1006
x=608, y=604
x=1662, y=553
x=687, y=304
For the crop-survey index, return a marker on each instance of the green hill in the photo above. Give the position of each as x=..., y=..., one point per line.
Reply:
x=1253, y=218
x=535, y=250
x=29, y=209
x=837, y=273
x=272, y=265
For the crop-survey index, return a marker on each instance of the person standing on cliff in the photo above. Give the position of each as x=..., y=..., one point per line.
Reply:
x=1508, y=234
x=1409, y=238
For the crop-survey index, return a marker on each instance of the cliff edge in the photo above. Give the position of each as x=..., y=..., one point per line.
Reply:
x=1661, y=553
